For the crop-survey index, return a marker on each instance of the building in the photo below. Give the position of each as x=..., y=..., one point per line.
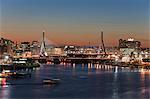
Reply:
x=22, y=50
x=25, y=46
x=6, y=46
x=35, y=48
x=70, y=49
x=129, y=49
x=130, y=43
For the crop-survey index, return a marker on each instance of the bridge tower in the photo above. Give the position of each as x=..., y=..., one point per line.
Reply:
x=43, y=52
x=102, y=41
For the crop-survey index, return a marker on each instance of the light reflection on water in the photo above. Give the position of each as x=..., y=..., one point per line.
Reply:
x=4, y=89
x=115, y=87
x=82, y=80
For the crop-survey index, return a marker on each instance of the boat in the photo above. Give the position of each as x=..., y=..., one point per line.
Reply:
x=50, y=81
x=21, y=75
x=20, y=63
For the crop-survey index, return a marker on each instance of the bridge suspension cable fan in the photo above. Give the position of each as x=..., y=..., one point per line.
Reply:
x=43, y=52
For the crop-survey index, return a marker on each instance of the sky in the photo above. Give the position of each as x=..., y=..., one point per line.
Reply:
x=77, y=22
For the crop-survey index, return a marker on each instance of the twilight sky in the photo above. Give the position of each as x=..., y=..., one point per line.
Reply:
x=75, y=21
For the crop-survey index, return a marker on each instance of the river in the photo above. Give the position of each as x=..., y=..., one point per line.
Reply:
x=92, y=81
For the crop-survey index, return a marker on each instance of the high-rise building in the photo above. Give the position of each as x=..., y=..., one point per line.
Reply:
x=6, y=46
x=130, y=43
x=129, y=48
x=35, y=47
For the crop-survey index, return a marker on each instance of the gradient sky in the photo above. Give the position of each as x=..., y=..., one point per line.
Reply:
x=75, y=21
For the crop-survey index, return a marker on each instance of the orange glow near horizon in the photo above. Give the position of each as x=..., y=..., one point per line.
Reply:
x=73, y=39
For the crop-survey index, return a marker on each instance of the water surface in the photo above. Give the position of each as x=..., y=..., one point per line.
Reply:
x=81, y=81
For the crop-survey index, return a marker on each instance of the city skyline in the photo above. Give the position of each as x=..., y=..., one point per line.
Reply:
x=76, y=22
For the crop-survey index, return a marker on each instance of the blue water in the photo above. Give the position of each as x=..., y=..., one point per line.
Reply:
x=80, y=81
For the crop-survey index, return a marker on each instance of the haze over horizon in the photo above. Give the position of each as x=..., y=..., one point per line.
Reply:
x=76, y=22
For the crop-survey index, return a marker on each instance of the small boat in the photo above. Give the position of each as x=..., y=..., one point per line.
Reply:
x=51, y=81
x=21, y=75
